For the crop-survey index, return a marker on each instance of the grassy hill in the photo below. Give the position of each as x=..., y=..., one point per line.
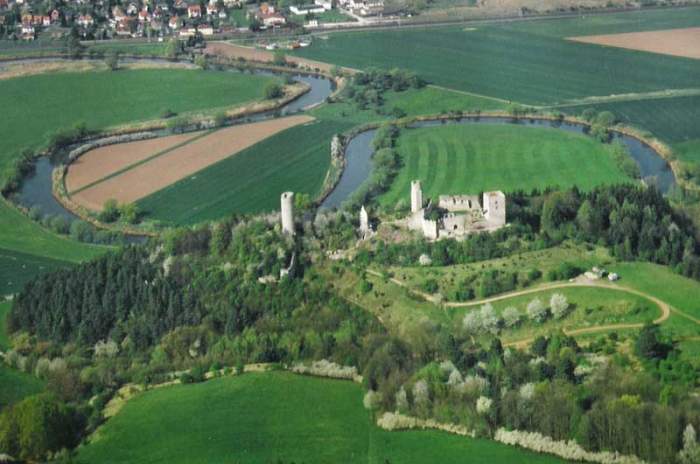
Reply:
x=274, y=417
x=455, y=159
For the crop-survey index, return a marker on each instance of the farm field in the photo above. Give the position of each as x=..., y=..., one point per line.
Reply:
x=255, y=54
x=266, y=417
x=455, y=158
x=106, y=99
x=103, y=161
x=675, y=42
x=251, y=181
x=183, y=159
x=515, y=61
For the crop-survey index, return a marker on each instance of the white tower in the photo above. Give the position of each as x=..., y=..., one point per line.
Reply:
x=416, y=196
x=287, y=212
x=364, y=221
x=495, y=207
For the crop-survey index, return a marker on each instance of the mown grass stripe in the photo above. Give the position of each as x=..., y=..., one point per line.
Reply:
x=142, y=162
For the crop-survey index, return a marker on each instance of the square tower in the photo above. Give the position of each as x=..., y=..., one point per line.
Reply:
x=416, y=196
x=495, y=208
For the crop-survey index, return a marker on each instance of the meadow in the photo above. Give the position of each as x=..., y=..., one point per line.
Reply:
x=275, y=417
x=468, y=159
x=516, y=61
x=16, y=269
x=251, y=181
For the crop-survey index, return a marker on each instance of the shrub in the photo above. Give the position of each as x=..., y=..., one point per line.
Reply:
x=273, y=90
x=559, y=305
x=511, y=316
x=110, y=211
x=536, y=311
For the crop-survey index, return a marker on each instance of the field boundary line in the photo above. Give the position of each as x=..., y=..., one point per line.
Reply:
x=142, y=162
x=628, y=97
x=472, y=94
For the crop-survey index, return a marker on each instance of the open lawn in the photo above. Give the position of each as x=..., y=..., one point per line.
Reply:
x=4, y=309
x=456, y=158
x=266, y=417
x=530, y=63
x=251, y=181
x=18, y=268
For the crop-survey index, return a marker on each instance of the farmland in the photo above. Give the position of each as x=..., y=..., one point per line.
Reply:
x=170, y=163
x=252, y=180
x=516, y=61
x=106, y=99
x=455, y=159
x=265, y=417
x=18, y=268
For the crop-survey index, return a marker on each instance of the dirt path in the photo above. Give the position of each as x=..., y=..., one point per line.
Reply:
x=665, y=308
x=655, y=95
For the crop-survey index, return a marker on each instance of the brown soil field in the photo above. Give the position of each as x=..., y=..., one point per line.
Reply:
x=675, y=42
x=182, y=162
x=101, y=162
x=253, y=54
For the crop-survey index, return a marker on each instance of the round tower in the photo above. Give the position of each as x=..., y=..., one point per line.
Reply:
x=416, y=196
x=287, y=212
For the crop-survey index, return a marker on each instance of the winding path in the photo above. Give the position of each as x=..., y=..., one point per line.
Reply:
x=581, y=281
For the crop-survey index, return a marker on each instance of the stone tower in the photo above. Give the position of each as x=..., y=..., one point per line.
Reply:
x=495, y=207
x=287, y=212
x=364, y=221
x=416, y=196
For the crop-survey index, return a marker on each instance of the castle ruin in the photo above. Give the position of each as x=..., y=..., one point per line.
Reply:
x=287, y=212
x=455, y=216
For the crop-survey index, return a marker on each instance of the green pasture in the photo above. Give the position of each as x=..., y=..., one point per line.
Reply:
x=4, y=310
x=518, y=62
x=274, y=417
x=252, y=180
x=18, y=268
x=463, y=158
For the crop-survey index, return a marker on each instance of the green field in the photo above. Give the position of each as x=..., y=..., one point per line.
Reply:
x=18, y=268
x=527, y=62
x=455, y=158
x=252, y=180
x=4, y=310
x=275, y=417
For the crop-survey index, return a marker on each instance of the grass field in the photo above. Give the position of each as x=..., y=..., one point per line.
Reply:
x=4, y=309
x=531, y=63
x=251, y=181
x=18, y=268
x=453, y=159
x=275, y=417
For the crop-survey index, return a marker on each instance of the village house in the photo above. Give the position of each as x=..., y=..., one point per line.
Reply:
x=118, y=14
x=55, y=16
x=194, y=11
x=174, y=23
x=212, y=9
x=269, y=17
x=144, y=16
x=306, y=9
x=132, y=9
x=85, y=20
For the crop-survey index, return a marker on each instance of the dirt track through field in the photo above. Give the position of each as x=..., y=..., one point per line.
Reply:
x=181, y=162
x=253, y=54
x=101, y=162
x=674, y=42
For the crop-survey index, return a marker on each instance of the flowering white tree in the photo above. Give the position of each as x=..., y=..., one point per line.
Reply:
x=690, y=454
x=536, y=311
x=455, y=378
x=472, y=321
x=489, y=319
x=106, y=349
x=401, y=400
x=483, y=405
x=559, y=305
x=421, y=394
x=527, y=391
x=511, y=316
x=371, y=399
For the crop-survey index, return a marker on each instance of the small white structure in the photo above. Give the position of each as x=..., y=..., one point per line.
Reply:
x=464, y=214
x=287, y=212
x=364, y=221
x=612, y=277
x=416, y=196
x=424, y=260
